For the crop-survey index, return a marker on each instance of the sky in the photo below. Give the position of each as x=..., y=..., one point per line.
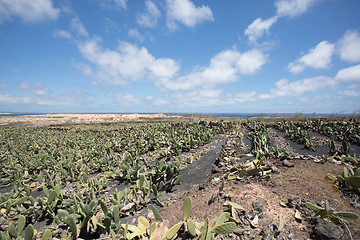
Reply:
x=180, y=56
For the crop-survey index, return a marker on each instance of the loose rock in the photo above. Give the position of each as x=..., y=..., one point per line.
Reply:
x=323, y=231
x=259, y=205
x=286, y=163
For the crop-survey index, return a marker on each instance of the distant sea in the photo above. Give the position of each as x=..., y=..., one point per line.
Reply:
x=244, y=115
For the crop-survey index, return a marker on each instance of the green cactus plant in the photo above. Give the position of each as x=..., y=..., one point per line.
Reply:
x=187, y=208
x=347, y=178
x=332, y=148
x=330, y=215
x=339, y=218
x=345, y=148
x=47, y=235
x=69, y=220
x=15, y=230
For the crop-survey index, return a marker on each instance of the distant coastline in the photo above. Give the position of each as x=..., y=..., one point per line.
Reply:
x=243, y=115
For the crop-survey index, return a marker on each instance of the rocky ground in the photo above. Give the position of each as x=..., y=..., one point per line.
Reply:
x=284, y=192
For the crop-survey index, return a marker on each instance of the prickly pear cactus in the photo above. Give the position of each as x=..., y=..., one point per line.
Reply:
x=224, y=228
x=187, y=208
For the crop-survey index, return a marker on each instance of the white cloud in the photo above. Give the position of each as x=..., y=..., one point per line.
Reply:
x=296, y=67
x=185, y=12
x=9, y=99
x=198, y=88
x=305, y=99
x=69, y=99
x=241, y=98
x=126, y=63
x=121, y=3
x=349, y=93
x=28, y=11
x=251, y=61
x=62, y=34
x=285, y=8
x=224, y=67
x=129, y=62
x=150, y=17
x=199, y=98
x=78, y=27
x=164, y=68
x=258, y=27
x=43, y=96
x=293, y=8
x=113, y=4
x=350, y=74
x=161, y=102
x=349, y=46
x=284, y=88
x=84, y=68
x=318, y=57
x=2, y=85
x=36, y=88
x=127, y=100
x=134, y=32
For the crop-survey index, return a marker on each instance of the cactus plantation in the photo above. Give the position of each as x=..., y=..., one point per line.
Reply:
x=271, y=179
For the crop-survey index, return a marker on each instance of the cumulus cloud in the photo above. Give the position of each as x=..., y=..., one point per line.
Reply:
x=284, y=8
x=164, y=68
x=284, y=88
x=150, y=16
x=224, y=67
x=293, y=8
x=185, y=12
x=126, y=63
x=318, y=57
x=129, y=62
x=349, y=46
x=258, y=27
x=28, y=11
x=251, y=61
x=350, y=74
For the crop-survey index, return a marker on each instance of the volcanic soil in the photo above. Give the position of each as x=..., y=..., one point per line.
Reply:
x=302, y=179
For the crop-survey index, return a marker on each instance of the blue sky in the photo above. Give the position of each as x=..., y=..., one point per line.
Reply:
x=282, y=56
